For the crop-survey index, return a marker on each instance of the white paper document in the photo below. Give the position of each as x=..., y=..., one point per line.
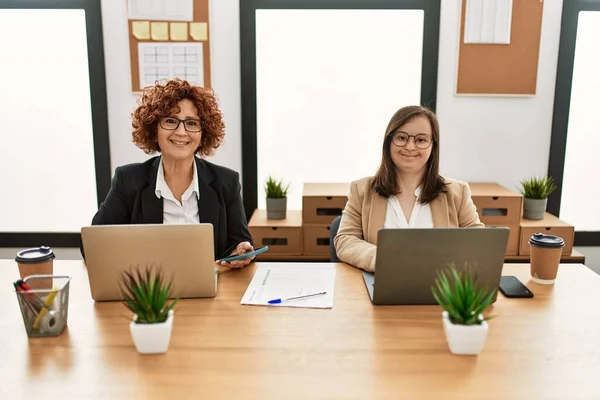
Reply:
x=488, y=21
x=274, y=281
x=159, y=61
x=161, y=10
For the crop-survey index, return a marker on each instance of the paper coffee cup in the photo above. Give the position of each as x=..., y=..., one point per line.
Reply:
x=36, y=261
x=546, y=251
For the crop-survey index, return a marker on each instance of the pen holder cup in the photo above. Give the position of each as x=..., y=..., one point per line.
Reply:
x=45, y=311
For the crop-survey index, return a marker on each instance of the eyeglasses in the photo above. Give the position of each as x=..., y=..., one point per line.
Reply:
x=190, y=125
x=401, y=139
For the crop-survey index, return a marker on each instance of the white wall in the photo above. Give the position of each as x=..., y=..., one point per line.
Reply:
x=306, y=108
x=499, y=139
x=225, y=70
x=482, y=139
x=44, y=133
x=579, y=201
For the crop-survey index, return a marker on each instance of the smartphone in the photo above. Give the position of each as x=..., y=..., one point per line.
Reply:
x=245, y=255
x=511, y=287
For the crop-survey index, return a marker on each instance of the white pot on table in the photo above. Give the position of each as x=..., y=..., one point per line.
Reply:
x=464, y=339
x=152, y=338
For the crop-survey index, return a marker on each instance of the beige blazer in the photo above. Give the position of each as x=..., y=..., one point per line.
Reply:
x=364, y=215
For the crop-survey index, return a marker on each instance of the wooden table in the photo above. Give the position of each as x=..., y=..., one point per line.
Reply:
x=541, y=348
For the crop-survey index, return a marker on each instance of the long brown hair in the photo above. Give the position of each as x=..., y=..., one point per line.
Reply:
x=385, y=181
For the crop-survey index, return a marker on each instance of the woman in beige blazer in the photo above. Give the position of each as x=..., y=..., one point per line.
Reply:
x=406, y=192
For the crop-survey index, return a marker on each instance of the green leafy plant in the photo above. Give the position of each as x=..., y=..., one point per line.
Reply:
x=146, y=294
x=459, y=294
x=275, y=189
x=537, y=188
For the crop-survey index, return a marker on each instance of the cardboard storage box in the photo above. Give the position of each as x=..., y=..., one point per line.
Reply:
x=316, y=239
x=550, y=225
x=497, y=205
x=512, y=247
x=283, y=236
x=322, y=202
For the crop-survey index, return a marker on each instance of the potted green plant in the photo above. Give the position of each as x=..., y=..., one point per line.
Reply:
x=276, y=198
x=536, y=192
x=463, y=302
x=146, y=294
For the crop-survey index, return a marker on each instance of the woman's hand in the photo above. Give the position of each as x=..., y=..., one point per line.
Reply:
x=241, y=248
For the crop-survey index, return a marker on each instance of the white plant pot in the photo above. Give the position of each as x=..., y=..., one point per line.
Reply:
x=464, y=339
x=151, y=338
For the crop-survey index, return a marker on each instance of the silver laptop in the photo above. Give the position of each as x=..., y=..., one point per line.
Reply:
x=184, y=252
x=408, y=261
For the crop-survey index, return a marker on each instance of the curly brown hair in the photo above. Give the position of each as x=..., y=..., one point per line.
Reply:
x=160, y=101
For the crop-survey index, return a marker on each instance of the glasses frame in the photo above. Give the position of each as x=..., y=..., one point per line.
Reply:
x=179, y=121
x=392, y=134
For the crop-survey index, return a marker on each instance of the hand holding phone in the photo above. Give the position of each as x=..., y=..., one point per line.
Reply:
x=245, y=255
x=511, y=287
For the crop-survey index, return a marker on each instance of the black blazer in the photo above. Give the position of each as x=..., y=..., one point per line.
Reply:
x=132, y=200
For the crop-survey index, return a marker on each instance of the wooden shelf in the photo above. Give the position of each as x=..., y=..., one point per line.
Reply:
x=293, y=219
x=325, y=189
x=548, y=221
x=490, y=189
x=550, y=225
x=575, y=257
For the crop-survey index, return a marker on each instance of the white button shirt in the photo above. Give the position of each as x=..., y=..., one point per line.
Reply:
x=420, y=218
x=175, y=212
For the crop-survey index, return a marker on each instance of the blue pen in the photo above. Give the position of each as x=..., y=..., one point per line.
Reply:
x=278, y=301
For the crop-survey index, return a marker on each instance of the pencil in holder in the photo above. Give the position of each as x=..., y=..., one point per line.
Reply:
x=44, y=311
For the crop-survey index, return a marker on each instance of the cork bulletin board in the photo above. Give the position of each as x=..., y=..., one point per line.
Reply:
x=170, y=47
x=503, y=69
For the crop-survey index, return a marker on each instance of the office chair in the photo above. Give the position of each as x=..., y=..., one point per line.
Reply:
x=333, y=229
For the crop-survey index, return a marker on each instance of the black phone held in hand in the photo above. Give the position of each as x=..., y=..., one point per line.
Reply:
x=245, y=255
x=511, y=287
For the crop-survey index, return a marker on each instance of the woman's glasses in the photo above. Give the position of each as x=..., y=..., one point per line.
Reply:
x=190, y=125
x=422, y=140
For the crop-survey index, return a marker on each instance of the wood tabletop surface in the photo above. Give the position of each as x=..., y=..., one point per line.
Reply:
x=547, y=347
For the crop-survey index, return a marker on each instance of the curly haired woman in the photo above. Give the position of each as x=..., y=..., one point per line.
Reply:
x=178, y=121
